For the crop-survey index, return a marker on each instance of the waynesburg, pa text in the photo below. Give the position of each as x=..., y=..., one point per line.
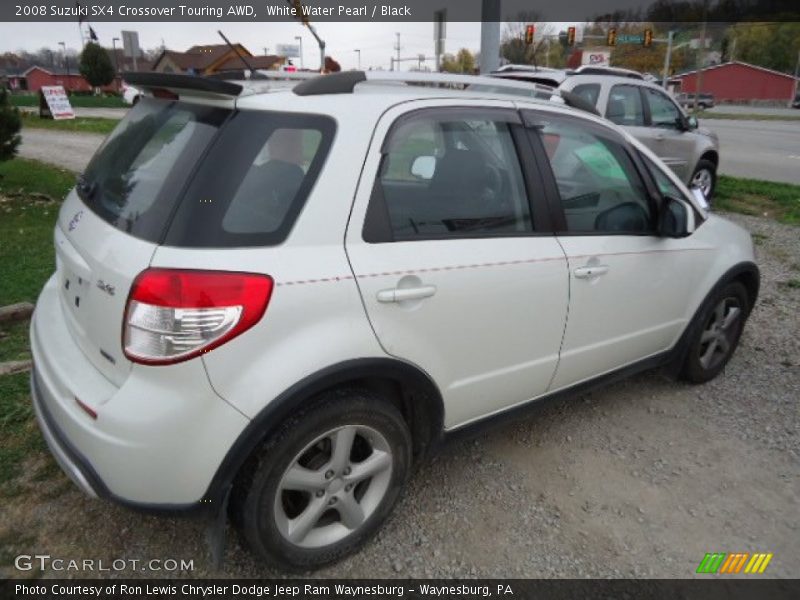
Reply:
x=259, y=590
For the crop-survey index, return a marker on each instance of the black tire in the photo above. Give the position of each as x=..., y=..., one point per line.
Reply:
x=257, y=491
x=706, y=165
x=135, y=101
x=701, y=366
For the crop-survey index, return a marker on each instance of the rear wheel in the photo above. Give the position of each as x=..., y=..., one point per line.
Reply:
x=705, y=177
x=326, y=481
x=716, y=334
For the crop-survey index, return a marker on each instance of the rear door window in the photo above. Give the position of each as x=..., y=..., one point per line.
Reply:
x=453, y=176
x=625, y=106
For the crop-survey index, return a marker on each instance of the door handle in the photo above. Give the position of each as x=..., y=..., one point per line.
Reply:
x=588, y=272
x=401, y=294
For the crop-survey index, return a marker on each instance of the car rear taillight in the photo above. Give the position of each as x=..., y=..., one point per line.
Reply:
x=174, y=315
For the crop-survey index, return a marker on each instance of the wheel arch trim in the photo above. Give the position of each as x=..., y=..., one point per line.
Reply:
x=421, y=397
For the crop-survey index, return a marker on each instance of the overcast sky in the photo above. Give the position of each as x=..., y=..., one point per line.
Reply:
x=376, y=40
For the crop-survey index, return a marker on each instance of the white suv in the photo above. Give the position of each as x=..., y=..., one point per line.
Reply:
x=287, y=298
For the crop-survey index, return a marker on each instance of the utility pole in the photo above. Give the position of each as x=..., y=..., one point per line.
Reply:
x=490, y=35
x=266, y=51
x=700, y=57
x=116, y=61
x=299, y=38
x=667, y=59
x=796, y=83
x=397, y=48
x=66, y=63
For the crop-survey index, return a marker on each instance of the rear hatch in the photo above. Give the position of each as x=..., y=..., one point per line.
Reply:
x=181, y=175
x=111, y=224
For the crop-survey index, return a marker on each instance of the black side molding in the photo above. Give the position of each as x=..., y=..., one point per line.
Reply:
x=183, y=82
x=335, y=83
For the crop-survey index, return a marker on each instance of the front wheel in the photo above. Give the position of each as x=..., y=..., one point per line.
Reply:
x=718, y=328
x=705, y=178
x=324, y=484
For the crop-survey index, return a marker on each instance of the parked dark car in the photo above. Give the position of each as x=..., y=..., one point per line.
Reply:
x=704, y=101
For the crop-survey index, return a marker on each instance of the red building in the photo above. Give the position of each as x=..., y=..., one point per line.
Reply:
x=36, y=77
x=739, y=82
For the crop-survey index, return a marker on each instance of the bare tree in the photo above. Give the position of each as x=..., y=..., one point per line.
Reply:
x=513, y=47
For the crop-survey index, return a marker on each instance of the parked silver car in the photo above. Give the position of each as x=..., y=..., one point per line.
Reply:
x=648, y=112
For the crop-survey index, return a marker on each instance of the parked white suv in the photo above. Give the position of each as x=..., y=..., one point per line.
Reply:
x=288, y=298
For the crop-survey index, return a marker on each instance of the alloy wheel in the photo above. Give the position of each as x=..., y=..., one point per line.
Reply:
x=333, y=486
x=703, y=180
x=719, y=336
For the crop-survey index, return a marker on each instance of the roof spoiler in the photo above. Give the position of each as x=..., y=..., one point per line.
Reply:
x=176, y=82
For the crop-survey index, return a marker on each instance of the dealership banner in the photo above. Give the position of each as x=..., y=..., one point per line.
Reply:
x=328, y=589
x=26, y=11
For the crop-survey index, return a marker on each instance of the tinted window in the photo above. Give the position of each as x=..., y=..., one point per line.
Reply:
x=625, y=106
x=664, y=183
x=254, y=181
x=135, y=179
x=599, y=186
x=663, y=112
x=246, y=174
x=588, y=91
x=445, y=177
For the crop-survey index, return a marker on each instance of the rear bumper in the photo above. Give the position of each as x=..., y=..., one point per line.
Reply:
x=157, y=440
x=76, y=467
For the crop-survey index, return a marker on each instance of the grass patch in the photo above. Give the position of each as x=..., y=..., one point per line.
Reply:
x=76, y=101
x=780, y=201
x=78, y=124
x=14, y=341
x=704, y=114
x=793, y=283
x=18, y=429
x=26, y=228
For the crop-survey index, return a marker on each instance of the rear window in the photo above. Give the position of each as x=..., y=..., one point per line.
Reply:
x=194, y=176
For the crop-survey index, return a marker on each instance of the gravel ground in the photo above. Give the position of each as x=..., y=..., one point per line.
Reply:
x=64, y=149
x=640, y=479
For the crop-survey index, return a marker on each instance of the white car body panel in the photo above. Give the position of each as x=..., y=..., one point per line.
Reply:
x=490, y=336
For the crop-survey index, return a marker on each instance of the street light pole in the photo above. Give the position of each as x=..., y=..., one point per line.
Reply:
x=667, y=59
x=116, y=61
x=358, y=51
x=299, y=38
x=66, y=62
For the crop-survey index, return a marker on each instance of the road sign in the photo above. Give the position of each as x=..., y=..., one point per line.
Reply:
x=54, y=98
x=627, y=38
x=288, y=50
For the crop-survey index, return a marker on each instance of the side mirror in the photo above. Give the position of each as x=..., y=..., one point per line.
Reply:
x=692, y=123
x=423, y=167
x=673, y=219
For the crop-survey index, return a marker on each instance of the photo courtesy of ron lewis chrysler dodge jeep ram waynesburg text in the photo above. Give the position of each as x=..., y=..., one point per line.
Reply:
x=273, y=299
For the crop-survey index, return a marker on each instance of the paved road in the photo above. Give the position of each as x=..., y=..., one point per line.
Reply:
x=62, y=148
x=737, y=109
x=767, y=150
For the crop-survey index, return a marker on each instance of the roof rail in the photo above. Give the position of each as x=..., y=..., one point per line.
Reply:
x=173, y=81
x=345, y=82
x=619, y=72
